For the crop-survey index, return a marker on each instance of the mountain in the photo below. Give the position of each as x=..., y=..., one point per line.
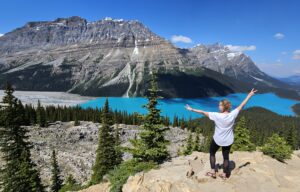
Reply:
x=234, y=64
x=114, y=57
x=293, y=80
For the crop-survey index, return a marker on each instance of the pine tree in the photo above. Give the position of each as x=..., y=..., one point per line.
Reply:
x=207, y=142
x=242, y=141
x=19, y=172
x=76, y=122
x=118, y=146
x=292, y=137
x=40, y=116
x=188, y=149
x=70, y=184
x=106, y=153
x=151, y=144
x=175, y=121
x=196, y=144
x=55, y=179
x=277, y=148
x=70, y=180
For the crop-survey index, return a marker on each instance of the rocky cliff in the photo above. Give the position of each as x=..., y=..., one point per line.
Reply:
x=249, y=172
x=114, y=57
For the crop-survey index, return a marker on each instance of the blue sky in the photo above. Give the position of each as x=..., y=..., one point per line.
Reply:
x=267, y=30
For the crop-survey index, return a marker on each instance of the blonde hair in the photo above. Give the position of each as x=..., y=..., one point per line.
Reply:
x=226, y=105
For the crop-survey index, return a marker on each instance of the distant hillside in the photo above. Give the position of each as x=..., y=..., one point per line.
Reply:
x=292, y=80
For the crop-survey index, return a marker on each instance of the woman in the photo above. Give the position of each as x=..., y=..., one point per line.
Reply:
x=223, y=135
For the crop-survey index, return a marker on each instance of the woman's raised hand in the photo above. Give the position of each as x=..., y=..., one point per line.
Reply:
x=188, y=107
x=252, y=92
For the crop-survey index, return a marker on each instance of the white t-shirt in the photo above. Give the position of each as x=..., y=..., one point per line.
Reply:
x=224, y=123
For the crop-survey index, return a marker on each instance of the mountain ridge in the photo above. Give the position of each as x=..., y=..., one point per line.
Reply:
x=114, y=57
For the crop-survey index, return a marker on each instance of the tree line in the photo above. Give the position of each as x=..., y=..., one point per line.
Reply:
x=20, y=173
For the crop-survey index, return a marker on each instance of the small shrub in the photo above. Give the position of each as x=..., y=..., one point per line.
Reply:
x=120, y=174
x=277, y=148
x=188, y=149
x=70, y=185
x=191, y=145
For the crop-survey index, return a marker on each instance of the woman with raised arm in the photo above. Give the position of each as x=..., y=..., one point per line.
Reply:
x=223, y=135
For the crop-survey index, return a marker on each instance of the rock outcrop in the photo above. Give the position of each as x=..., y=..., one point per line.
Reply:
x=250, y=171
x=76, y=145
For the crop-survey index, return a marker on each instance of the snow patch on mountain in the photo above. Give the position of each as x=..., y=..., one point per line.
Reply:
x=136, y=49
x=22, y=67
x=256, y=78
x=232, y=55
x=131, y=77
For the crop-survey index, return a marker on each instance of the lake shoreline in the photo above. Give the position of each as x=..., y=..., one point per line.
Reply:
x=49, y=98
x=171, y=104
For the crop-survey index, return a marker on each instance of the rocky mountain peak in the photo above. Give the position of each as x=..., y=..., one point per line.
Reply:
x=113, y=57
x=73, y=31
x=69, y=21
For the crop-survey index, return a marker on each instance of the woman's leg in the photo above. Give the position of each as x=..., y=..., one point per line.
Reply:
x=212, y=157
x=225, y=152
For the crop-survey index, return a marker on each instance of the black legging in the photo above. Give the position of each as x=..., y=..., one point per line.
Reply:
x=225, y=151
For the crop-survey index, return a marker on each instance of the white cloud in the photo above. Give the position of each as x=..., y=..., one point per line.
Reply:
x=1, y=34
x=296, y=54
x=241, y=48
x=181, y=38
x=283, y=53
x=279, y=36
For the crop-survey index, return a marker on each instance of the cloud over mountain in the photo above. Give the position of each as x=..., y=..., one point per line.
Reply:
x=241, y=48
x=181, y=38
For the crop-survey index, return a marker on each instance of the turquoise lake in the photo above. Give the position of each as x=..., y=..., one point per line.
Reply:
x=175, y=106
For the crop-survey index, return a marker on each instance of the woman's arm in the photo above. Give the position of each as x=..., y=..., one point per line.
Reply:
x=196, y=110
x=252, y=92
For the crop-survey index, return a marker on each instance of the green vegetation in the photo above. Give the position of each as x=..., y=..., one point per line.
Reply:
x=242, y=141
x=291, y=137
x=188, y=149
x=70, y=184
x=107, y=155
x=276, y=147
x=192, y=144
x=40, y=115
x=206, y=143
x=19, y=173
x=118, y=150
x=56, y=182
x=76, y=114
x=120, y=174
x=149, y=149
x=151, y=144
x=196, y=144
